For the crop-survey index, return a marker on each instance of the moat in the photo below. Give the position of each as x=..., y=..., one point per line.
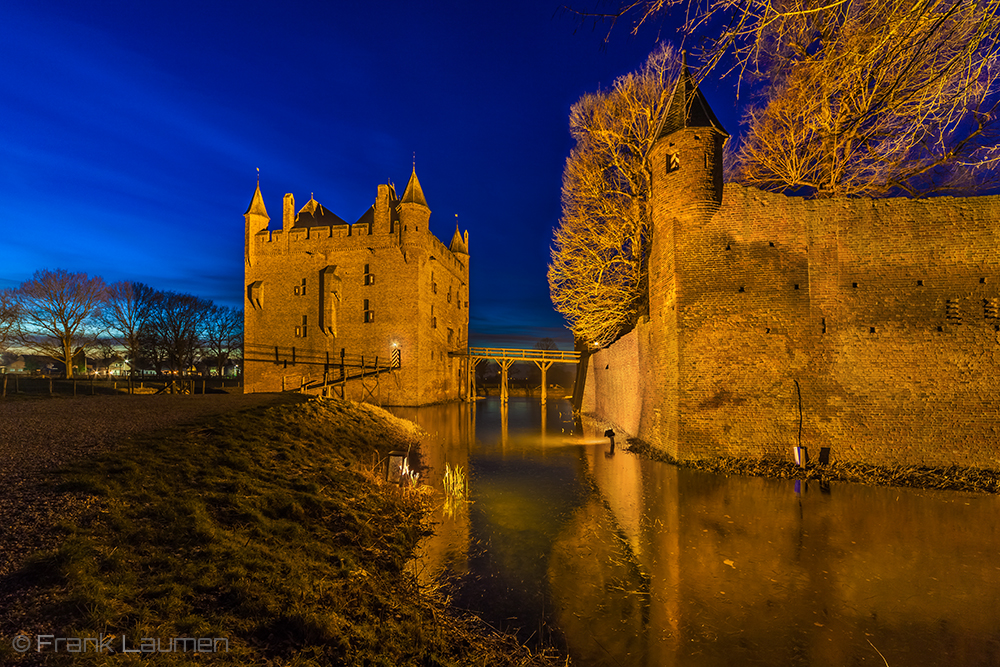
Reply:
x=622, y=561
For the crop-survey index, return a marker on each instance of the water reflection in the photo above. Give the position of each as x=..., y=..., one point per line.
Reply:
x=628, y=562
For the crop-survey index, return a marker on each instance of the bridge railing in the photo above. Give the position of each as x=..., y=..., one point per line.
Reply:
x=291, y=356
x=524, y=355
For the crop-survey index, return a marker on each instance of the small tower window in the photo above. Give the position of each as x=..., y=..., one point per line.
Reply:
x=369, y=276
x=300, y=289
x=369, y=313
x=300, y=331
x=673, y=162
x=434, y=285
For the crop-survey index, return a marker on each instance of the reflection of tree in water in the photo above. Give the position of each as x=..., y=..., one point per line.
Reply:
x=600, y=595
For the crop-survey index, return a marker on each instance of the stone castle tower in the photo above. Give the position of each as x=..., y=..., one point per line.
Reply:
x=320, y=290
x=869, y=327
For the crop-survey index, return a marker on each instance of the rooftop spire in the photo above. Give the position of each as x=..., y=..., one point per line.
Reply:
x=414, y=194
x=257, y=202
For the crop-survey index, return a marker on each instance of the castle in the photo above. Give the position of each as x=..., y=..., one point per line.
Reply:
x=382, y=297
x=870, y=327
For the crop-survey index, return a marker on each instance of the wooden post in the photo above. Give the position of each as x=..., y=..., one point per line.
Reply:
x=544, y=367
x=505, y=365
x=470, y=379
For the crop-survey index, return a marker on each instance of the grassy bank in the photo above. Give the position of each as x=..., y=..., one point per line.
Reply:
x=270, y=529
x=921, y=477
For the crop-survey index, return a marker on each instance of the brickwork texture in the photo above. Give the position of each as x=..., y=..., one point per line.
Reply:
x=881, y=314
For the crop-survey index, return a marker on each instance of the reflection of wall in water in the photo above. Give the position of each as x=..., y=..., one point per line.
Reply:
x=745, y=567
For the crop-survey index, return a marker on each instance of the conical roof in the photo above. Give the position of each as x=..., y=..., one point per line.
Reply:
x=458, y=244
x=688, y=106
x=414, y=194
x=256, y=206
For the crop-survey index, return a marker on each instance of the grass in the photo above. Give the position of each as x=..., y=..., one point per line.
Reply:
x=953, y=478
x=272, y=529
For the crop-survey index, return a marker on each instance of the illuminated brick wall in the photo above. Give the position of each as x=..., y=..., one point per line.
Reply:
x=884, y=311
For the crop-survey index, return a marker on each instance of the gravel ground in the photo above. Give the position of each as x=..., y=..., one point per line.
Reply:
x=38, y=436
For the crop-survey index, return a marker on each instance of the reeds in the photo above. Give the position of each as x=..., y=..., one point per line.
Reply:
x=456, y=490
x=456, y=483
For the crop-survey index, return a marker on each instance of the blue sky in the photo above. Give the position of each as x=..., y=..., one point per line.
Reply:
x=130, y=133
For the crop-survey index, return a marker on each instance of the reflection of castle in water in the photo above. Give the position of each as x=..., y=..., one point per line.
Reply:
x=665, y=566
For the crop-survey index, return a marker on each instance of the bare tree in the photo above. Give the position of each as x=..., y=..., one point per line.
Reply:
x=223, y=335
x=58, y=311
x=9, y=317
x=899, y=97
x=176, y=322
x=597, y=274
x=857, y=97
x=126, y=315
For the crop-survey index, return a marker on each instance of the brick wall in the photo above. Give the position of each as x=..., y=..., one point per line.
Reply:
x=883, y=311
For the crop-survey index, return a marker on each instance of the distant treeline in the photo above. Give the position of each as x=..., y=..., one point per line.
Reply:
x=67, y=316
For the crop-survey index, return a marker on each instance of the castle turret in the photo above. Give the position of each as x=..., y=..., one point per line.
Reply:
x=414, y=213
x=686, y=158
x=256, y=220
x=685, y=163
x=459, y=245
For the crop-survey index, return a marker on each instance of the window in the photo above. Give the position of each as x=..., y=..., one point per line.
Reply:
x=369, y=313
x=434, y=285
x=300, y=289
x=369, y=276
x=434, y=320
x=449, y=294
x=300, y=331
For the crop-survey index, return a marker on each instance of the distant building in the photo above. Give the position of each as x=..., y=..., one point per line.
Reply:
x=320, y=287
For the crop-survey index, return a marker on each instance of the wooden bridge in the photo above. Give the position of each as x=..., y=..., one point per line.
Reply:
x=505, y=357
